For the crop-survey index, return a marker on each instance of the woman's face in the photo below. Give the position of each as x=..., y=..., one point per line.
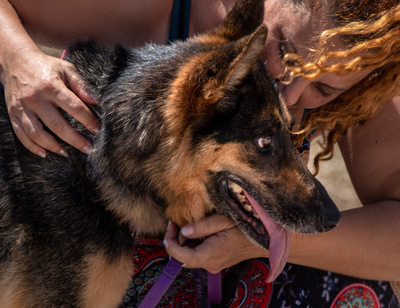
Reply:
x=291, y=29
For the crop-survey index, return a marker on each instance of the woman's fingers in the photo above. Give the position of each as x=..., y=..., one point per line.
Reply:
x=73, y=101
x=25, y=139
x=34, y=99
x=76, y=84
x=27, y=123
x=70, y=102
x=191, y=257
x=55, y=122
x=218, y=251
x=207, y=226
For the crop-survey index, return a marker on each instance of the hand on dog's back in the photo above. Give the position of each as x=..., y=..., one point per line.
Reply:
x=33, y=97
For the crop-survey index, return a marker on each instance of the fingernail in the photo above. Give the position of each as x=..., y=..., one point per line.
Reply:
x=93, y=97
x=86, y=149
x=187, y=231
x=42, y=154
x=96, y=130
x=62, y=152
x=166, y=244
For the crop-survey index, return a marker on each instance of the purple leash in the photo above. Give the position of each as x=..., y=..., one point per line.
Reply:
x=167, y=277
x=214, y=288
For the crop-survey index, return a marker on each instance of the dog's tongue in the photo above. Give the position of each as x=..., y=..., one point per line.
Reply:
x=279, y=241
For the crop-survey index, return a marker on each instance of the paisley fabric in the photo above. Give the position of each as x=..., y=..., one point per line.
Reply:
x=396, y=288
x=300, y=286
x=249, y=287
x=245, y=286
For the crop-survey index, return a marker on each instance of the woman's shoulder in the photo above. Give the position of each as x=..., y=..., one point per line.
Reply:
x=371, y=152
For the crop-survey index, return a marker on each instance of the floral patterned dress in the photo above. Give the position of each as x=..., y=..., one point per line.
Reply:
x=245, y=286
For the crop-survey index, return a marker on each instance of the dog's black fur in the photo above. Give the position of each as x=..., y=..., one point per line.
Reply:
x=179, y=123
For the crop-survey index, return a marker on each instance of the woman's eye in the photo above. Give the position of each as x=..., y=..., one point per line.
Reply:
x=324, y=91
x=264, y=142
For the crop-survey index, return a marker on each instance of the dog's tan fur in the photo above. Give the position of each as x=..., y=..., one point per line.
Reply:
x=106, y=281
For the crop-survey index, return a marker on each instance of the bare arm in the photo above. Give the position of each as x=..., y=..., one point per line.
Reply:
x=365, y=244
x=35, y=86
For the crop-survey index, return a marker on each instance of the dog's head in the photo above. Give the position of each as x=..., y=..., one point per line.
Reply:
x=198, y=127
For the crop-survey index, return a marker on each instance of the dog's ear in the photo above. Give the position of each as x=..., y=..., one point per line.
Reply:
x=205, y=90
x=242, y=20
x=251, y=48
x=240, y=67
x=96, y=64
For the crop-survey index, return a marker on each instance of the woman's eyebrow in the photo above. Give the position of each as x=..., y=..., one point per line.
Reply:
x=330, y=87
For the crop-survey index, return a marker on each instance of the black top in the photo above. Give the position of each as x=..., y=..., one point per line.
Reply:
x=180, y=18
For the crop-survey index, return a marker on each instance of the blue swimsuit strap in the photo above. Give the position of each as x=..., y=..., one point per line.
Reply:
x=180, y=18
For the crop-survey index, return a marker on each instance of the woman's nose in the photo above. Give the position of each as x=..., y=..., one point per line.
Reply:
x=293, y=91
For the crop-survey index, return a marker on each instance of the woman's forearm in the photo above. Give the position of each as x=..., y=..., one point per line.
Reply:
x=14, y=37
x=366, y=244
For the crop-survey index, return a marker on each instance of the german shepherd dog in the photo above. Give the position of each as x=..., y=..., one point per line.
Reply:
x=188, y=130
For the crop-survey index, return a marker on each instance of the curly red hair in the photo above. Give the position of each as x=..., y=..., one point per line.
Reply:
x=370, y=30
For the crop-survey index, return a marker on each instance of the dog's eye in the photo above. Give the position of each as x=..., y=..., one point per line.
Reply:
x=264, y=142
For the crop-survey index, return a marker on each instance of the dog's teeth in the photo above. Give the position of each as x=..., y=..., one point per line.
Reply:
x=256, y=216
x=235, y=187
x=248, y=207
x=242, y=198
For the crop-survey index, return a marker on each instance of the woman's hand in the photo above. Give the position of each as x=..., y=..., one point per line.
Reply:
x=225, y=245
x=36, y=85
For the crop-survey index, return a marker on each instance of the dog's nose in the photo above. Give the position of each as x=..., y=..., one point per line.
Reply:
x=330, y=218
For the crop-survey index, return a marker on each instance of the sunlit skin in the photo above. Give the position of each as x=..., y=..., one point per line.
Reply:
x=293, y=30
x=368, y=238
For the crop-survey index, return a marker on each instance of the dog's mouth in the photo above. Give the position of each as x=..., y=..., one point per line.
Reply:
x=260, y=226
